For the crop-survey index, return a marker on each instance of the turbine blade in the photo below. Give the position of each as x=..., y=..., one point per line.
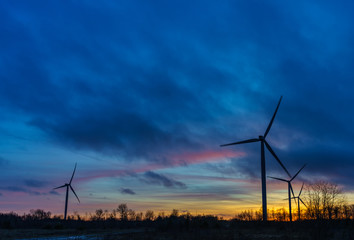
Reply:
x=72, y=176
x=271, y=121
x=302, y=202
x=74, y=193
x=290, y=198
x=60, y=187
x=292, y=191
x=301, y=189
x=241, y=142
x=280, y=179
x=297, y=173
x=276, y=157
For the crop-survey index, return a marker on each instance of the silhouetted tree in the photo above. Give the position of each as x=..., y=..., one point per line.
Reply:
x=99, y=214
x=174, y=213
x=246, y=215
x=132, y=215
x=77, y=215
x=139, y=216
x=39, y=214
x=323, y=199
x=113, y=214
x=149, y=215
x=123, y=211
x=351, y=211
x=272, y=214
x=259, y=215
x=281, y=214
x=161, y=215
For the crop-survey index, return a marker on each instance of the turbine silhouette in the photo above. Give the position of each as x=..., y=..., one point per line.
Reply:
x=298, y=201
x=68, y=185
x=263, y=141
x=290, y=188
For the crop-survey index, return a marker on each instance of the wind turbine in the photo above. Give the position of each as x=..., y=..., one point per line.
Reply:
x=298, y=200
x=68, y=185
x=290, y=188
x=263, y=141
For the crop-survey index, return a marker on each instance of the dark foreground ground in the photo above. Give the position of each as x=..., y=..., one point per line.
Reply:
x=186, y=230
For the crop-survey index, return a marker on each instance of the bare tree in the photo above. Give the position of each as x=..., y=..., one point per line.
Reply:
x=39, y=214
x=123, y=211
x=113, y=214
x=246, y=215
x=259, y=215
x=149, y=215
x=161, y=215
x=132, y=215
x=99, y=214
x=139, y=216
x=323, y=200
x=281, y=214
x=77, y=215
x=351, y=211
x=174, y=213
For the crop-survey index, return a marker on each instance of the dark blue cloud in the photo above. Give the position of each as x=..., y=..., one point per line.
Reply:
x=127, y=191
x=14, y=189
x=34, y=183
x=159, y=179
x=52, y=192
x=21, y=189
x=142, y=80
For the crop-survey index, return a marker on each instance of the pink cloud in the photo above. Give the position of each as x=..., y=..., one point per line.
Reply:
x=175, y=160
x=206, y=156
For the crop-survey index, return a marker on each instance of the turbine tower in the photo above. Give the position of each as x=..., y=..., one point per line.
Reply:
x=263, y=141
x=68, y=185
x=290, y=188
x=298, y=201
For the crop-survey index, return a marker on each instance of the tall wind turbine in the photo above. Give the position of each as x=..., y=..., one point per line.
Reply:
x=263, y=141
x=298, y=201
x=68, y=185
x=290, y=188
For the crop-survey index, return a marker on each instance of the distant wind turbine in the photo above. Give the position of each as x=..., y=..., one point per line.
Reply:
x=290, y=188
x=263, y=141
x=298, y=201
x=68, y=185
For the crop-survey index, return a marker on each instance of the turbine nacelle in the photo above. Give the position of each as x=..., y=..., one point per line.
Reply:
x=261, y=137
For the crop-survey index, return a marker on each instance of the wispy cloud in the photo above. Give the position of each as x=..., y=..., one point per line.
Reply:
x=34, y=183
x=20, y=189
x=175, y=160
x=127, y=191
x=159, y=179
x=52, y=192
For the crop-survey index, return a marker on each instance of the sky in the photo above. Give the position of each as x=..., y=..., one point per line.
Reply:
x=140, y=94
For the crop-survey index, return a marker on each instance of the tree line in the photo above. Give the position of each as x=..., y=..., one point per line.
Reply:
x=323, y=200
x=123, y=213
